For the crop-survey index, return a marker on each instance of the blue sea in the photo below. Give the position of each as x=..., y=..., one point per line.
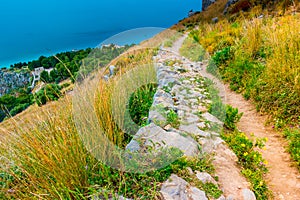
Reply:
x=33, y=28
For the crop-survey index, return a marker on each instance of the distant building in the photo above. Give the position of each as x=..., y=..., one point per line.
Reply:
x=111, y=45
x=37, y=72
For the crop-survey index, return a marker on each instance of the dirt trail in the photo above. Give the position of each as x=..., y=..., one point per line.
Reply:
x=283, y=179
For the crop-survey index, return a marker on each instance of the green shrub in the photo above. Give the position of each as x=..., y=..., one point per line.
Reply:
x=50, y=92
x=223, y=56
x=140, y=103
x=147, y=185
x=293, y=135
x=173, y=119
x=253, y=165
x=232, y=117
x=45, y=77
x=19, y=108
x=216, y=108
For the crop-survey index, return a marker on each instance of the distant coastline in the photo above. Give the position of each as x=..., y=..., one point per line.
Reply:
x=45, y=52
x=119, y=38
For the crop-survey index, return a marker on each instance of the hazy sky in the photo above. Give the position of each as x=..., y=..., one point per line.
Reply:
x=28, y=27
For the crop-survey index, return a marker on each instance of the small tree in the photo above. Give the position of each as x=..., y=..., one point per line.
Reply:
x=50, y=92
x=45, y=77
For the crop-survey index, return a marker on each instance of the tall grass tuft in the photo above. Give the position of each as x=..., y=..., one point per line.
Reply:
x=47, y=159
x=281, y=80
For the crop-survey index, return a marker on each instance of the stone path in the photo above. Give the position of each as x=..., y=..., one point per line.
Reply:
x=181, y=92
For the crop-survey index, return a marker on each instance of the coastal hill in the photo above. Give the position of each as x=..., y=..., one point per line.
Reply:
x=25, y=84
x=208, y=109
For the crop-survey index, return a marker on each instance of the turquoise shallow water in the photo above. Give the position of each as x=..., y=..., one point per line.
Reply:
x=29, y=29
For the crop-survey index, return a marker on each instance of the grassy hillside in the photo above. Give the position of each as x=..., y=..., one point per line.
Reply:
x=42, y=155
x=257, y=53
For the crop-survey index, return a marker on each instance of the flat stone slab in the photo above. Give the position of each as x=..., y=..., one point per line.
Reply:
x=248, y=194
x=175, y=188
x=193, y=129
x=157, y=118
x=205, y=177
x=153, y=134
x=190, y=118
x=211, y=118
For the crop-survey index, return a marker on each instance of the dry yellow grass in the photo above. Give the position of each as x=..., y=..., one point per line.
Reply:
x=42, y=150
x=42, y=147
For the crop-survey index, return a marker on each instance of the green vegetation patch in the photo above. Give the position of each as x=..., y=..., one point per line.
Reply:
x=253, y=165
x=192, y=50
x=140, y=103
x=293, y=136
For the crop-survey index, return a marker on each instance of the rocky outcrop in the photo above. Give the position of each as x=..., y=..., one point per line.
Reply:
x=153, y=134
x=234, y=6
x=13, y=80
x=178, y=189
x=206, y=3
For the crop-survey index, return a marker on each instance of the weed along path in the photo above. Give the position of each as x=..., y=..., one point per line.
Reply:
x=283, y=179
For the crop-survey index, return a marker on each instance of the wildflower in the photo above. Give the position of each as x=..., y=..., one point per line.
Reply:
x=265, y=162
x=246, y=153
x=243, y=145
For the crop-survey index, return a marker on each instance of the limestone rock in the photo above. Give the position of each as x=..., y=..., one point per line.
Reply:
x=221, y=198
x=209, y=145
x=248, y=195
x=215, y=19
x=194, y=130
x=12, y=80
x=133, y=146
x=164, y=99
x=157, y=118
x=190, y=118
x=211, y=118
x=205, y=177
x=153, y=134
x=178, y=189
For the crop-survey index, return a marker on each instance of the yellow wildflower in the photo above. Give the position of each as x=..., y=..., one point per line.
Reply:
x=246, y=153
x=243, y=145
